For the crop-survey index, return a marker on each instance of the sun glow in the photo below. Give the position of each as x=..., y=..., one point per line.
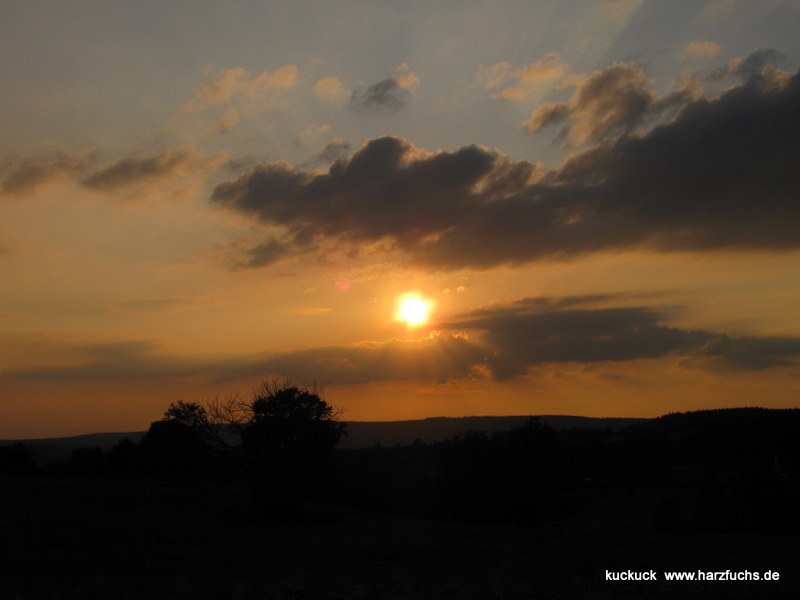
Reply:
x=412, y=310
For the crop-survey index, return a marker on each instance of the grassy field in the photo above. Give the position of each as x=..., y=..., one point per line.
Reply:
x=98, y=539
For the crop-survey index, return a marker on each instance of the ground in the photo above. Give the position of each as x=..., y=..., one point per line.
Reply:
x=98, y=539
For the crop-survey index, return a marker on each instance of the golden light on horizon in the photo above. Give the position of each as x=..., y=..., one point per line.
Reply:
x=413, y=310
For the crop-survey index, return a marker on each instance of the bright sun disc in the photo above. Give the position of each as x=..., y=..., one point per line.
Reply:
x=413, y=310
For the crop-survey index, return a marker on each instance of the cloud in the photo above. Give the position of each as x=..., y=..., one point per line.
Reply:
x=132, y=172
x=493, y=76
x=235, y=82
x=720, y=176
x=329, y=88
x=218, y=92
x=228, y=120
x=723, y=353
x=392, y=93
x=334, y=150
x=435, y=358
x=607, y=103
x=502, y=341
x=263, y=255
x=438, y=358
x=19, y=176
x=536, y=331
x=119, y=362
x=758, y=66
x=621, y=9
x=162, y=306
x=521, y=339
x=313, y=132
x=701, y=49
x=388, y=188
x=525, y=82
x=715, y=10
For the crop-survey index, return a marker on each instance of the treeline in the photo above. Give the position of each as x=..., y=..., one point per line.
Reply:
x=152, y=457
x=722, y=470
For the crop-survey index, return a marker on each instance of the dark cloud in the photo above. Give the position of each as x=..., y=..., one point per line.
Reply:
x=523, y=335
x=721, y=175
x=723, y=353
x=544, y=303
x=263, y=254
x=392, y=93
x=608, y=103
x=334, y=150
x=386, y=189
x=24, y=175
x=504, y=341
x=536, y=331
x=437, y=358
x=133, y=171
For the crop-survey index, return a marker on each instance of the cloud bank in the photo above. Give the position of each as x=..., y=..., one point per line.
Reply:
x=502, y=342
x=721, y=175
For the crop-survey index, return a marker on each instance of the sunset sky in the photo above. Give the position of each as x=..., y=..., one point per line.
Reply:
x=599, y=200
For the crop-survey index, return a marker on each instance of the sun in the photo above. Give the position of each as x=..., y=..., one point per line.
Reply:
x=412, y=310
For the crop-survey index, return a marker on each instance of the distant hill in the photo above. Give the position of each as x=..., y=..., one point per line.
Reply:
x=361, y=434
x=50, y=450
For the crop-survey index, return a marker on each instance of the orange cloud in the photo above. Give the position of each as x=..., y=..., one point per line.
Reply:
x=329, y=88
x=234, y=81
x=701, y=49
x=526, y=81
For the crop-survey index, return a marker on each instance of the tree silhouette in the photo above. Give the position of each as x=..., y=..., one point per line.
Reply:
x=283, y=441
x=290, y=439
x=176, y=447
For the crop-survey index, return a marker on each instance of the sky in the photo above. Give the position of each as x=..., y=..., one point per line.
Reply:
x=597, y=201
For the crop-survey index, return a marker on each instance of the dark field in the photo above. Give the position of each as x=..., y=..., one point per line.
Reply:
x=98, y=539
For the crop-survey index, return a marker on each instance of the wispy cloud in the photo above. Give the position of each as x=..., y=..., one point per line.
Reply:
x=236, y=81
x=20, y=176
x=522, y=83
x=607, y=103
x=130, y=171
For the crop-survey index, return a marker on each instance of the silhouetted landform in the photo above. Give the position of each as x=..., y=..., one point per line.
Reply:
x=360, y=434
x=526, y=511
x=53, y=450
x=715, y=470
